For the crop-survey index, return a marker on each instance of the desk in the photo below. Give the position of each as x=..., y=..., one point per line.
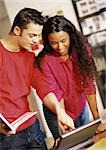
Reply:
x=99, y=142
x=99, y=136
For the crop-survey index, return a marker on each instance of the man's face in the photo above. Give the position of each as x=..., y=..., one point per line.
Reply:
x=30, y=36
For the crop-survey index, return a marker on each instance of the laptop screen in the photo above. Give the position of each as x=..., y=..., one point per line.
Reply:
x=79, y=135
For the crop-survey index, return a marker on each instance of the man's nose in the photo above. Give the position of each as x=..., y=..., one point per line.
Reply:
x=35, y=39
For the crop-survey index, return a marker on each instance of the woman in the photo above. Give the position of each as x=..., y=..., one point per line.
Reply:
x=67, y=64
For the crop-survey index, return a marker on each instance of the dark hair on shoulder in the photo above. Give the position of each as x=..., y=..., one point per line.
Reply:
x=27, y=15
x=77, y=40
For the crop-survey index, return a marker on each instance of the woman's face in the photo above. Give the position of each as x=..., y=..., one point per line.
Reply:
x=60, y=42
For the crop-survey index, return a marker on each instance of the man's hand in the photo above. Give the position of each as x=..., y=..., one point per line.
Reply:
x=5, y=131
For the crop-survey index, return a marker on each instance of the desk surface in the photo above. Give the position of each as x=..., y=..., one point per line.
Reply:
x=100, y=142
x=99, y=136
x=100, y=145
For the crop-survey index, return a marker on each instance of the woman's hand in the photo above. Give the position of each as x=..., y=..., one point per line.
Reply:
x=101, y=128
x=65, y=121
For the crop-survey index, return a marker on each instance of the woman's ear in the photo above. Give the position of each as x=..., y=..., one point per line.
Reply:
x=17, y=31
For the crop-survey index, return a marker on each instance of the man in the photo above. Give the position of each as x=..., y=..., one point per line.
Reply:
x=17, y=74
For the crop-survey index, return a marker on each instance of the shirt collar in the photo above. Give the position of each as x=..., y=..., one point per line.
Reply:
x=62, y=61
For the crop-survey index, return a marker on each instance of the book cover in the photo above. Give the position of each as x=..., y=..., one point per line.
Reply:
x=15, y=124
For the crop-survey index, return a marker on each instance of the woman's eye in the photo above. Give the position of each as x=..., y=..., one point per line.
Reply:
x=53, y=43
x=63, y=41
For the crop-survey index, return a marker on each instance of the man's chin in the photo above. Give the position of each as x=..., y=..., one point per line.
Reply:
x=28, y=48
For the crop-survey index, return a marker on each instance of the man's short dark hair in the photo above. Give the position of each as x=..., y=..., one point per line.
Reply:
x=27, y=15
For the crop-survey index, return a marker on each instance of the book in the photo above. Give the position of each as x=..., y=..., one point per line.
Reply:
x=15, y=124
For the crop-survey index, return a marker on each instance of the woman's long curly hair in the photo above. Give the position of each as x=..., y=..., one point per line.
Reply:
x=60, y=23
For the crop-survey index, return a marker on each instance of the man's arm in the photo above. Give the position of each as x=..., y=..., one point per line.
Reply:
x=50, y=100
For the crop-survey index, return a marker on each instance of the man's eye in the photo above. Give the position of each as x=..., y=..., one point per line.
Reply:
x=31, y=36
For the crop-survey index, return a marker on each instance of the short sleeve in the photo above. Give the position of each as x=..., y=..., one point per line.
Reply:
x=39, y=83
x=89, y=87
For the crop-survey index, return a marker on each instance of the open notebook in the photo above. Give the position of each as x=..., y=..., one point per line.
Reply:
x=15, y=124
x=79, y=137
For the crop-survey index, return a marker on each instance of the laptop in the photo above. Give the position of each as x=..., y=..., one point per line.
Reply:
x=80, y=137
